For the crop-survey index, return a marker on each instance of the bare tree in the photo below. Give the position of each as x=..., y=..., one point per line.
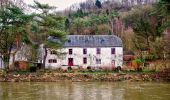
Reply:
x=18, y=3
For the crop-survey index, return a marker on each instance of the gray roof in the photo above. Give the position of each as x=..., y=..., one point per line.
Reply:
x=93, y=41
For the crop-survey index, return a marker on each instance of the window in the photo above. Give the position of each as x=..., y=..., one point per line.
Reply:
x=112, y=50
x=70, y=51
x=98, y=61
x=84, y=51
x=69, y=41
x=84, y=60
x=102, y=41
x=52, y=61
x=98, y=51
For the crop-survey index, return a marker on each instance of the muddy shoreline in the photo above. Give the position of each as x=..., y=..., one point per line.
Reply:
x=163, y=76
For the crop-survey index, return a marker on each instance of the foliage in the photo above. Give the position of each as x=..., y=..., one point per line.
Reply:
x=98, y=4
x=67, y=24
x=148, y=28
x=45, y=25
x=139, y=61
x=13, y=21
x=162, y=11
x=79, y=13
x=90, y=24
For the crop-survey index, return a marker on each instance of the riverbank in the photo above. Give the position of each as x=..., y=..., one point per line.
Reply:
x=54, y=76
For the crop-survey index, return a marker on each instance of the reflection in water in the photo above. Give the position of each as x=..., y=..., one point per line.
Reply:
x=84, y=91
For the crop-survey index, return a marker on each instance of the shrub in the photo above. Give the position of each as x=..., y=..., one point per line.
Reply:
x=118, y=68
x=33, y=69
x=69, y=68
x=89, y=67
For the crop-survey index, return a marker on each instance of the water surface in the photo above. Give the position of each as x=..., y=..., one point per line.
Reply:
x=85, y=91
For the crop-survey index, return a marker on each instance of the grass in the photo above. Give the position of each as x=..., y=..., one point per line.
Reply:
x=112, y=72
x=23, y=72
x=90, y=72
x=96, y=72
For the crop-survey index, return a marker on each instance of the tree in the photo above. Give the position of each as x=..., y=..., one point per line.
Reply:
x=143, y=24
x=113, y=15
x=67, y=24
x=18, y=3
x=167, y=43
x=142, y=29
x=162, y=11
x=13, y=21
x=147, y=29
x=49, y=28
x=98, y=4
x=78, y=25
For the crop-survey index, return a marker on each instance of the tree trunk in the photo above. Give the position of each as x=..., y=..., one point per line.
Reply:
x=13, y=60
x=148, y=44
x=6, y=59
x=45, y=56
x=18, y=41
x=112, y=26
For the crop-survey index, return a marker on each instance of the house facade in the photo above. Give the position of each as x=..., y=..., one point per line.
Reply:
x=96, y=51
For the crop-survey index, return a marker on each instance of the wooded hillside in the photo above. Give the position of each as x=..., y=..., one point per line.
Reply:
x=141, y=24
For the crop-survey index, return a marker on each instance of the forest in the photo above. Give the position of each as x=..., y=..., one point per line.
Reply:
x=141, y=24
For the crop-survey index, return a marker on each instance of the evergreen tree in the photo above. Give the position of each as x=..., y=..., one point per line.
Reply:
x=49, y=28
x=13, y=22
x=67, y=24
x=98, y=4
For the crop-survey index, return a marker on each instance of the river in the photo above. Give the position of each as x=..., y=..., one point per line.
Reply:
x=84, y=91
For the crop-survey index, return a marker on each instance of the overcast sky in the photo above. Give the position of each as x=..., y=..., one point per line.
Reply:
x=60, y=4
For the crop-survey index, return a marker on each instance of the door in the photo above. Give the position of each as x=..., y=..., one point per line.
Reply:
x=113, y=63
x=70, y=61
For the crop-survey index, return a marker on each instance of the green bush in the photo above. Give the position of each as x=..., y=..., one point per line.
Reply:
x=33, y=69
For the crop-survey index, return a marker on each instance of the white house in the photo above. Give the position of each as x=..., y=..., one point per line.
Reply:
x=88, y=50
x=22, y=54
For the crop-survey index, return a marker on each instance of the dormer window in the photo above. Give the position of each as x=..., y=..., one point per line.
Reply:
x=69, y=41
x=86, y=41
x=102, y=41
